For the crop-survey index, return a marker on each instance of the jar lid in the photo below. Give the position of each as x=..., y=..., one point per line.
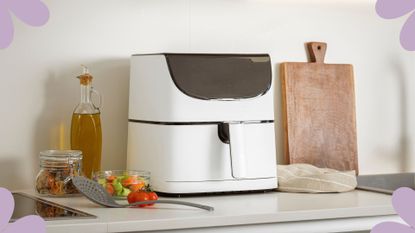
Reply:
x=60, y=157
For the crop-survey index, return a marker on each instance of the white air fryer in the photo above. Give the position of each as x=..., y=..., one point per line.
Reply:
x=202, y=123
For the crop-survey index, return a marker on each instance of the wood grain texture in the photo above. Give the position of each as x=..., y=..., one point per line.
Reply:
x=319, y=114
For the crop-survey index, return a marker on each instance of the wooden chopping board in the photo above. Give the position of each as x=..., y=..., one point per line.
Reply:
x=319, y=112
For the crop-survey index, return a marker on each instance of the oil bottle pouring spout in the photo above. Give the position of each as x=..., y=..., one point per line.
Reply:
x=85, y=78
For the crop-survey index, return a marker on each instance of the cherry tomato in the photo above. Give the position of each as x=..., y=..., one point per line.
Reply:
x=111, y=178
x=137, y=187
x=128, y=181
x=110, y=189
x=138, y=196
x=152, y=196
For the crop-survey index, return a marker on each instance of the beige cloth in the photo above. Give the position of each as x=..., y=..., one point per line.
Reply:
x=310, y=179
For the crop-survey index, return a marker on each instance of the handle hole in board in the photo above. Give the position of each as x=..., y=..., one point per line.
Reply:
x=319, y=47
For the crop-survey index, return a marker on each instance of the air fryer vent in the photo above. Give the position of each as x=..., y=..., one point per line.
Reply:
x=220, y=76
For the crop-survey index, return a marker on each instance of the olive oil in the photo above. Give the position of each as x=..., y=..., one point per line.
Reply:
x=86, y=133
x=86, y=136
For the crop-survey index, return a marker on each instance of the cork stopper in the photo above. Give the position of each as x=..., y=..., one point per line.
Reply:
x=85, y=78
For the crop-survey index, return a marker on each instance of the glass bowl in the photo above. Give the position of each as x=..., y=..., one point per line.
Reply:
x=119, y=183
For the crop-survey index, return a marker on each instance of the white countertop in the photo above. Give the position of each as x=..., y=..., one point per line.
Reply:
x=230, y=210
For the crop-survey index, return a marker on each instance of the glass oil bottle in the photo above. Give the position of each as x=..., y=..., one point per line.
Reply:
x=86, y=132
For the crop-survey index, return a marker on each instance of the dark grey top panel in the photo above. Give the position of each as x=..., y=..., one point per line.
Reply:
x=221, y=76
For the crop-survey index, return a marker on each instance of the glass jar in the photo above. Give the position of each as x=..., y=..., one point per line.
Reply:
x=56, y=169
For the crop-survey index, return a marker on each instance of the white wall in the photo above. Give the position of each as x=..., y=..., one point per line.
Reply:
x=39, y=89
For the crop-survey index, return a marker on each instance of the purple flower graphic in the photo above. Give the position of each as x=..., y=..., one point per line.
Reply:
x=32, y=12
x=403, y=201
x=31, y=223
x=390, y=9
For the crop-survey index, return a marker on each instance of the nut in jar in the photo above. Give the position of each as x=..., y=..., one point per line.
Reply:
x=56, y=169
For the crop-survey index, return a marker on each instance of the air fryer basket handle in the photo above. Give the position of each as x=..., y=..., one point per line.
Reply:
x=237, y=150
